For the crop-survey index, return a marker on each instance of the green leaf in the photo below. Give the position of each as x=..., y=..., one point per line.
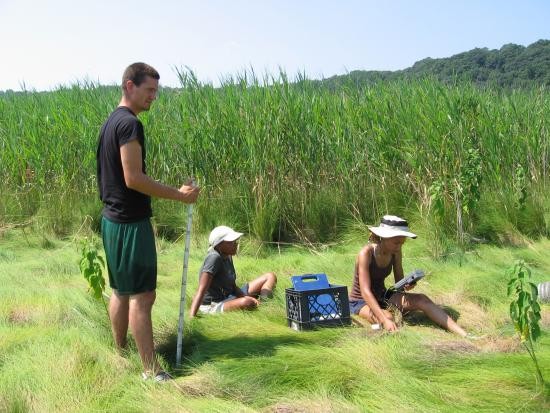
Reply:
x=534, y=291
x=83, y=266
x=88, y=272
x=91, y=267
x=514, y=311
x=535, y=332
x=510, y=288
x=97, y=293
x=101, y=260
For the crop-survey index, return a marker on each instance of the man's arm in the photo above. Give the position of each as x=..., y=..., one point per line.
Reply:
x=130, y=155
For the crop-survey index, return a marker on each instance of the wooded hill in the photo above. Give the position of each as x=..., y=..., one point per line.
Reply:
x=511, y=66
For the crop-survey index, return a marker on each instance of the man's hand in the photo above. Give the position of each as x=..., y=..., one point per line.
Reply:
x=190, y=192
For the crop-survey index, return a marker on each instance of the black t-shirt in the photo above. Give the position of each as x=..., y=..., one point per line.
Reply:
x=223, y=277
x=120, y=203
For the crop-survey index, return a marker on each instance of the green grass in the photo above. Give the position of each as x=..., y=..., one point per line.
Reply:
x=56, y=350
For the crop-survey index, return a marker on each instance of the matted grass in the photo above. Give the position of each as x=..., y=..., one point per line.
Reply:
x=56, y=350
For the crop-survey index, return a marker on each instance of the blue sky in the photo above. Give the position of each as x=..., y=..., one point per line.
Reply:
x=58, y=42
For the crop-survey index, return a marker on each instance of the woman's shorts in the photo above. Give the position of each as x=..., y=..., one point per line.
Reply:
x=355, y=306
x=217, y=307
x=131, y=256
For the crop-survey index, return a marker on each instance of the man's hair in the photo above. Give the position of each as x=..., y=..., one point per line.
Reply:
x=137, y=72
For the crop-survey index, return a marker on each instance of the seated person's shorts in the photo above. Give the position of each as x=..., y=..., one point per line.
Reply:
x=356, y=305
x=217, y=307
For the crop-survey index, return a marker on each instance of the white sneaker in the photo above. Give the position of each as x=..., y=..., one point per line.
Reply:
x=160, y=377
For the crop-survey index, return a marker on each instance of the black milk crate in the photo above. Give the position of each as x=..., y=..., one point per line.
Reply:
x=317, y=308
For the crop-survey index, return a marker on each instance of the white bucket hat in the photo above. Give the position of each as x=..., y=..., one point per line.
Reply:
x=392, y=226
x=223, y=233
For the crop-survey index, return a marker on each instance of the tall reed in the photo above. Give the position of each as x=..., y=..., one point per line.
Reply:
x=289, y=160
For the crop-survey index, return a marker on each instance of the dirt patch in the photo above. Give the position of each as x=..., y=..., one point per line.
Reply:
x=545, y=318
x=484, y=344
x=451, y=298
x=286, y=408
x=200, y=384
x=473, y=317
x=468, y=314
x=308, y=406
x=19, y=316
x=455, y=346
x=500, y=344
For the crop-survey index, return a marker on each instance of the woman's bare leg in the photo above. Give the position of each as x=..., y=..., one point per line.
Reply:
x=411, y=302
x=242, y=303
x=263, y=285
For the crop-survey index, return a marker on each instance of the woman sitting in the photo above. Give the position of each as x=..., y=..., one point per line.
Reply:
x=369, y=297
x=218, y=291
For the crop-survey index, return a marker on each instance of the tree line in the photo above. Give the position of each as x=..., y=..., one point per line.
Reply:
x=511, y=66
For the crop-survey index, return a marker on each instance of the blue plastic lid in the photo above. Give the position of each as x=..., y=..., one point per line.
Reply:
x=308, y=282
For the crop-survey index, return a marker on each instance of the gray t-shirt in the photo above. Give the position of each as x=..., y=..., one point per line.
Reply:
x=223, y=277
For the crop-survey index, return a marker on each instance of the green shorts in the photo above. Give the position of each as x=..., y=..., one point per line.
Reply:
x=131, y=256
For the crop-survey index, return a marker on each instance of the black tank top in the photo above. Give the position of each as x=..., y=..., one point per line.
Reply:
x=377, y=277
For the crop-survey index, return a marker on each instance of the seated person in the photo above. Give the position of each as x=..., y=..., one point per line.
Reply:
x=369, y=298
x=218, y=291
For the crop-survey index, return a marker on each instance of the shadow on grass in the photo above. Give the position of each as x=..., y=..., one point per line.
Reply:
x=199, y=349
x=418, y=318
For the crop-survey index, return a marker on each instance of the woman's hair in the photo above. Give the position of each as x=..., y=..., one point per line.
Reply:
x=375, y=239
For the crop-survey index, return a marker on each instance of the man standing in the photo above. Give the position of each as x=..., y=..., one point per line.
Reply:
x=128, y=238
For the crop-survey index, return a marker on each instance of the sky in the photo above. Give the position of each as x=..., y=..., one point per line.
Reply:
x=51, y=43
